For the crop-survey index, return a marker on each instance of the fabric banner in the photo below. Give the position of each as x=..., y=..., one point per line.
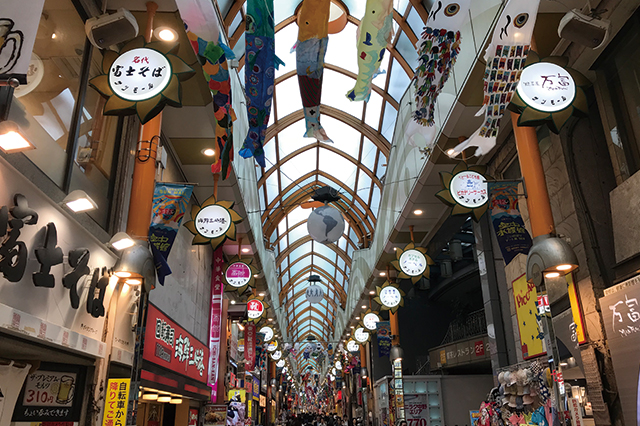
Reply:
x=384, y=338
x=17, y=36
x=249, y=346
x=217, y=290
x=170, y=203
x=513, y=237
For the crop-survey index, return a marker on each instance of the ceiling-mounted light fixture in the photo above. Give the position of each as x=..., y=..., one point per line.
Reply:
x=150, y=396
x=209, y=152
x=11, y=139
x=121, y=241
x=175, y=400
x=78, y=201
x=164, y=398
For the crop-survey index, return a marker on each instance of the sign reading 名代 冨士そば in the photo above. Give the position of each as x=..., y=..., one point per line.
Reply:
x=52, y=393
x=171, y=346
x=139, y=74
x=546, y=87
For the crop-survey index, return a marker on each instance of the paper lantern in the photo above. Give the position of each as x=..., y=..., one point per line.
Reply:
x=325, y=224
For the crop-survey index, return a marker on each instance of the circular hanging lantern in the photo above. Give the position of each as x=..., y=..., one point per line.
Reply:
x=370, y=320
x=314, y=293
x=389, y=296
x=280, y=364
x=325, y=224
x=338, y=365
x=361, y=335
x=352, y=346
x=276, y=355
x=239, y=275
x=272, y=346
x=268, y=333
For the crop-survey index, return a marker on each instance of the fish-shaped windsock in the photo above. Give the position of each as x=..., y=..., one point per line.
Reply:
x=213, y=57
x=260, y=65
x=505, y=56
x=438, y=49
x=374, y=32
x=313, y=37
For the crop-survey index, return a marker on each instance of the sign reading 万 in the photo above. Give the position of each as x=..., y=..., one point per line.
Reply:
x=171, y=346
x=212, y=221
x=116, y=401
x=546, y=87
x=469, y=189
x=139, y=74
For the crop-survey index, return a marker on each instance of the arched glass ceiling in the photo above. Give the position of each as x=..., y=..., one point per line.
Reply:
x=355, y=164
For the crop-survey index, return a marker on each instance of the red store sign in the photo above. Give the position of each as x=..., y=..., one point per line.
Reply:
x=171, y=346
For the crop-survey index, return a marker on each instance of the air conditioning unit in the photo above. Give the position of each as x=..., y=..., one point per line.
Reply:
x=583, y=29
x=110, y=29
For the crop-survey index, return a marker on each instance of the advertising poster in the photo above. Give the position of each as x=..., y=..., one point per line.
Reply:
x=474, y=415
x=54, y=392
x=621, y=314
x=116, y=401
x=170, y=203
x=193, y=417
x=236, y=412
x=529, y=321
x=384, y=338
x=214, y=415
x=513, y=237
x=416, y=410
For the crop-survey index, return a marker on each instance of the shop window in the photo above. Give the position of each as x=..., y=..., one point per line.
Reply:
x=619, y=72
x=46, y=106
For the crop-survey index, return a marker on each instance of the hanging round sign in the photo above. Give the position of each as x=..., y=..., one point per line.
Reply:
x=469, y=189
x=390, y=297
x=268, y=333
x=338, y=365
x=272, y=346
x=280, y=364
x=413, y=262
x=238, y=274
x=361, y=335
x=369, y=320
x=352, y=346
x=314, y=294
x=255, y=309
x=139, y=74
x=212, y=221
x=546, y=87
x=333, y=371
x=276, y=355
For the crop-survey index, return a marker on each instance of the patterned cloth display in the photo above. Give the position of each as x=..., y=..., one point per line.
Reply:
x=374, y=32
x=505, y=58
x=260, y=66
x=310, y=50
x=216, y=71
x=438, y=49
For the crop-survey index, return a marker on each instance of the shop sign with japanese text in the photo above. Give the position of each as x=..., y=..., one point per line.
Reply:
x=53, y=273
x=171, y=346
x=546, y=87
x=52, y=393
x=115, y=404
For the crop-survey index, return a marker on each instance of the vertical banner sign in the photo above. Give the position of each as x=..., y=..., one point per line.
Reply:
x=513, y=237
x=170, y=203
x=18, y=29
x=529, y=319
x=115, y=405
x=621, y=314
x=249, y=346
x=384, y=338
x=217, y=289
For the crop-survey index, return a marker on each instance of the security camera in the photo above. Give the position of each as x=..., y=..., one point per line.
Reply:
x=110, y=29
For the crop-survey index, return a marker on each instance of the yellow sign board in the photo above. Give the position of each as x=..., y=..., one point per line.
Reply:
x=115, y=406
x=239, y=394
x=575, y=308
x=531, y=335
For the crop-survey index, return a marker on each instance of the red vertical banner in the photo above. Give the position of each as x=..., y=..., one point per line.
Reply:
x=249, y=346
x=217, y=291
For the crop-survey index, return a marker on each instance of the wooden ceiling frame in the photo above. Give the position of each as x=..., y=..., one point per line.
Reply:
x=311, y=308
x=330, y=301
x=313, y=254
x=301, y=273
x=306, y=239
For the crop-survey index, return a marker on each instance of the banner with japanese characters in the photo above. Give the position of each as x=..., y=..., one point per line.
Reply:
x=249, y=346
x=384, y=338
x=171, y=346
x=217, y=291
x=54, y=279
x=53, y=393
x=416, y=410
x=513, y=237
x=115, y=403
x=18, y=31
x=621, y=314
x=170, y=203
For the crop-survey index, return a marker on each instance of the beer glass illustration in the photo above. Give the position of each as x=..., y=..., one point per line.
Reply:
x=66, y=390
x=10, y=45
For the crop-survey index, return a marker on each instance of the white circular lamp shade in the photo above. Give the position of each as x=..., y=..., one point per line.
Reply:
x=325, y=224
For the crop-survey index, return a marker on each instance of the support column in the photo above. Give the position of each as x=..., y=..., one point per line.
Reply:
x=221, y=396
x=395, y=328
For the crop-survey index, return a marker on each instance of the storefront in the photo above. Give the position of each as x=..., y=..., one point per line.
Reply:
x=174, y=375
x=54, y=293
